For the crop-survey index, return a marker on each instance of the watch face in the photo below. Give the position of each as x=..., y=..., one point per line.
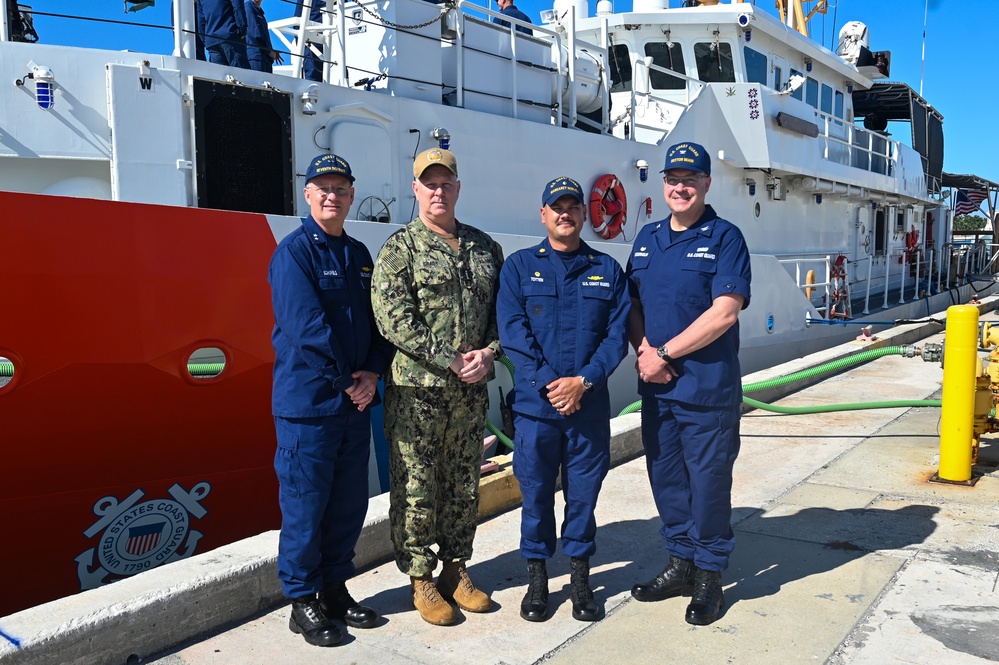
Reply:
x=663, y=352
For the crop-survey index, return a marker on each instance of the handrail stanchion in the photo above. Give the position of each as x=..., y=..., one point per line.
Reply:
x=341, y=41
x=867, y=297
x=904, y=260
x=513, y=66
x=887, y=265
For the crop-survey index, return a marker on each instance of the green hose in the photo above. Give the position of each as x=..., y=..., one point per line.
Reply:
x=6, y=369
x=832, y=366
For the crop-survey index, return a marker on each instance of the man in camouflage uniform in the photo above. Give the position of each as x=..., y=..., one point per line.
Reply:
x=434, y=298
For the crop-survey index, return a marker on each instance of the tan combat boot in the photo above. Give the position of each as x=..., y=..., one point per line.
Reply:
x=456, y=586
x=429, y=603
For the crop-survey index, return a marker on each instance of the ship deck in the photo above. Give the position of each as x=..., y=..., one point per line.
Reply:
x=845, y=553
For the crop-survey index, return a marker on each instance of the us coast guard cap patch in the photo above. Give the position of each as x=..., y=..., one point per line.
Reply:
x=560, y=187
x=332, y=164
x=435, y=156
x=690, y=156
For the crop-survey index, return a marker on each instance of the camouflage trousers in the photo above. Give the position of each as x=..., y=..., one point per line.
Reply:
x=435, y=449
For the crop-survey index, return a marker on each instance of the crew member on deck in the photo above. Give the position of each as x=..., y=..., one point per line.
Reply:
x=223, y=23
x=507, y=7
x=261, y=54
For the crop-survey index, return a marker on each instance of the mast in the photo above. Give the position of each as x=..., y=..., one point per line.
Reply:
x=795, y=17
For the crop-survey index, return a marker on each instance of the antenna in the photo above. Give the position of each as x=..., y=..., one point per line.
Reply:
x=922, y=71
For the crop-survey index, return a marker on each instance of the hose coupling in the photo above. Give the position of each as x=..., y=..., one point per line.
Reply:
x=910, y=351
x=933, y=352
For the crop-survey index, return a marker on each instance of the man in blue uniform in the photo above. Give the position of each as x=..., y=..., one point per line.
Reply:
x=259, y=50
x=689, y=276
x=223, y=23
x=507, y=7
x=312, y=68
x=328, y=356
x=563, y=312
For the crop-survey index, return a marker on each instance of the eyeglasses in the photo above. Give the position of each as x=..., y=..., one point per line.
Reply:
x=573, y=209
x=691, y=181
x=327, y=192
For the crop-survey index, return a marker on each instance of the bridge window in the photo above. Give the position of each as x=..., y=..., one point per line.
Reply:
x=668, y=56
x=620, y=68
x=838, y=104
x=826, y=103
x=756, y=66
x=714, y=62
x=797, y=93
x=812, y=92
x=778, y=74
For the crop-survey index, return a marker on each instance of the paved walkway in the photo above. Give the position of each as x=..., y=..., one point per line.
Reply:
x=846, y=554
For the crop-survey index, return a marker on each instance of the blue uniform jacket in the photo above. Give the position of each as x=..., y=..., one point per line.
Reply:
x=513, y=12
x=676, y=283
x=555, y=323
x=258, y=37
x=324, y=327
x=317, y=10
x=221, y=20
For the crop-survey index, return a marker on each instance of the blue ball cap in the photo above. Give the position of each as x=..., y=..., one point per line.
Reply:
x=324, y=164
x=690, y=156
x=560, y=187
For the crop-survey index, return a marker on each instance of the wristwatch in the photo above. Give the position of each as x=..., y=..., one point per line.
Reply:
x=663, y=353
x=587, y=384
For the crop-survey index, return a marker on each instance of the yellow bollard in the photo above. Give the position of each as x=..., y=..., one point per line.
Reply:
x=957, y=418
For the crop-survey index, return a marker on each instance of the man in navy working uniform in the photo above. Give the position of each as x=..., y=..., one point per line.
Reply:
x=328, y=358
x=223, y=23
x=507, y=7
x=312, y=68
x=689, y=276
x=563, y=311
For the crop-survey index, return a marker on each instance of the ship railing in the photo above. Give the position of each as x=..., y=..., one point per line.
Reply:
x=806, y=269
x=294, y=33
x=845, y=143
x=641, y=95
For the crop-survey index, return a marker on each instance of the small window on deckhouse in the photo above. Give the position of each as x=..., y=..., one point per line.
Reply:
x=797, y=93
x=812, y=92
x=668, y=55
x=756, y=66
x=714, y=62
x=620, y=68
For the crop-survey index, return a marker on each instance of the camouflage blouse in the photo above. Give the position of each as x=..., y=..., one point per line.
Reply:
x=432, y=302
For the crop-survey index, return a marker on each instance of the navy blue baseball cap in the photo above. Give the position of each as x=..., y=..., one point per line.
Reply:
x=690, y=156
x=332, y=164
x=560, y=187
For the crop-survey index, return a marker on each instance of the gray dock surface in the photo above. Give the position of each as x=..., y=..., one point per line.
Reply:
x=845, y=553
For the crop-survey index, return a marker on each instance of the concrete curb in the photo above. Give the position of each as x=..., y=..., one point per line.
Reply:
x=124, y=622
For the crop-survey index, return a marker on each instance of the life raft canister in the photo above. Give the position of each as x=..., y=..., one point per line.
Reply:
x=608, y=206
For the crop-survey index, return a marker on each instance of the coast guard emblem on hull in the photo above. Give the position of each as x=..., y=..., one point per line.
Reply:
x=134, y=536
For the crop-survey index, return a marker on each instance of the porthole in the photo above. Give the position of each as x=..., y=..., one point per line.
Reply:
x=206, y=363
x=756, y=209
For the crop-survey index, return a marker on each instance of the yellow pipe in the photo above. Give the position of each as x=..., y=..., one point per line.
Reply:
x=957, y=417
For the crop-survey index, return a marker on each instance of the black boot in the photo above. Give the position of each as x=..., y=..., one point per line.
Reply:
x=584, y=608
x=309, y=620
x=338, y=604
x=677, y=579
x=708, y=599
x=534, y=607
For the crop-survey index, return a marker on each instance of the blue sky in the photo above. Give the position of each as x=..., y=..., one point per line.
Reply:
x=958, y=79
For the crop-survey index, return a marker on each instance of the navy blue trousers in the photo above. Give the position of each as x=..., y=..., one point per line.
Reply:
x=543, y=447
x=229, y=53
x=322, y=466
x=689, y=453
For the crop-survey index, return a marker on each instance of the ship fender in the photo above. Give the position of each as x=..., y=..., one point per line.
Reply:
x=608, y=206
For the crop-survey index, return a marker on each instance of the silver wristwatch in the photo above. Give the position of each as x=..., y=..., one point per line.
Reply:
x=587, y=384
x=663, y=353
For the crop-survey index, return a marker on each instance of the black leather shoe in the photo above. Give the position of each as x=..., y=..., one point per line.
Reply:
x=308, y=620
x=584, y=608
x=338, y=604
x=677, y=579
x=534, y=607
x=708, y=599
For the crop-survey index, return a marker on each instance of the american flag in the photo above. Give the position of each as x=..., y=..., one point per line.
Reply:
x=969, y=201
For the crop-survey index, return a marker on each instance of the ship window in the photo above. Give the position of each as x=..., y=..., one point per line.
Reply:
x=826, y=106
x=756, y=66
x=714, y=62
x=812, y=92
x=620, y=68
x=838, y=104
x=778, y=73
x=900, y=221
x=668, y=55
x=797, y=93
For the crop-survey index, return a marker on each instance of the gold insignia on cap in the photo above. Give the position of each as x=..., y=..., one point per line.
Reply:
x=434, y=155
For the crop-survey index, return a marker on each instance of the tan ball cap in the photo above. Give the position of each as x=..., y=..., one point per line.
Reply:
x=434, y=157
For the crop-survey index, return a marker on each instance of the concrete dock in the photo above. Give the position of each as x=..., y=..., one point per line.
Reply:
x=846, y=553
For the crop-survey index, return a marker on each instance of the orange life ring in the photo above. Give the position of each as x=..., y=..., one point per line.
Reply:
x=608, y=206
